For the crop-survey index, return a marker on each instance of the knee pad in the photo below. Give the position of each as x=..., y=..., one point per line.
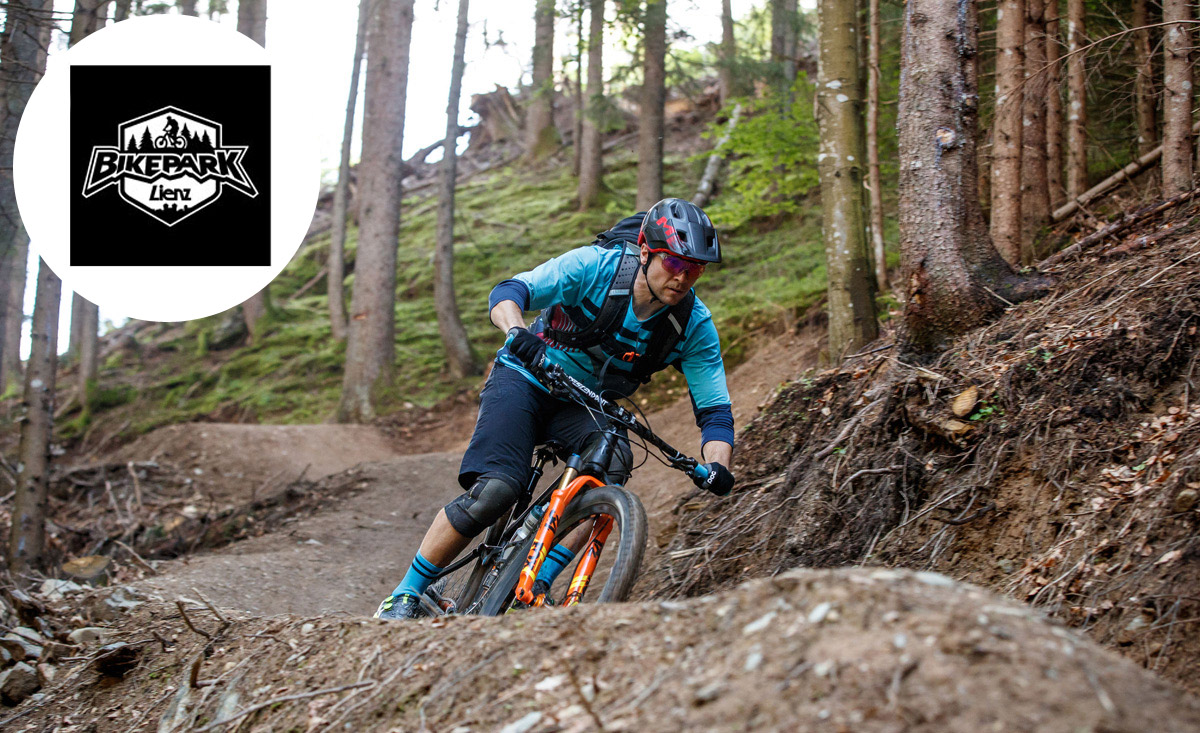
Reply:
x=480, y=506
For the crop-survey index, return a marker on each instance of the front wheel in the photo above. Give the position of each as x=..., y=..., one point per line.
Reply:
x=620, y=561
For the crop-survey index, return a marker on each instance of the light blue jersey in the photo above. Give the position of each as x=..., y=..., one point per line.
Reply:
x=576, y=283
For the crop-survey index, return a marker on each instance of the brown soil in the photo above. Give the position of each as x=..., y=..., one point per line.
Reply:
x=847, y=650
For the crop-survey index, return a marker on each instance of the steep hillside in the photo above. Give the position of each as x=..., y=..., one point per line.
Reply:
x=1053, y=456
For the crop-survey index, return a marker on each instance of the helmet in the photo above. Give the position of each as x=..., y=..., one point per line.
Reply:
x=680, y=227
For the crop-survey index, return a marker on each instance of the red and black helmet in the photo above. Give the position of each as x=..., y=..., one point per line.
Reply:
x=681, y=228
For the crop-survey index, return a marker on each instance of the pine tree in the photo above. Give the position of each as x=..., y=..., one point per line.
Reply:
x=147, y=139
x=132, y=146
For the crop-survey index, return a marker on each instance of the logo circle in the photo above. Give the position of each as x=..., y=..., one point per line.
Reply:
x=167, y=167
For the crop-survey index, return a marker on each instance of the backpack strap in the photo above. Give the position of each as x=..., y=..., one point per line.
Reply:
x=667, y=333
x=612, y=310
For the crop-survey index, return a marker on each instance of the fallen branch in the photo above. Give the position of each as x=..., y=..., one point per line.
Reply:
x=286, y=698
x=188, y=621
x=308, y=285
x=1111, y=182
x=1118, y=226
x=709, y=179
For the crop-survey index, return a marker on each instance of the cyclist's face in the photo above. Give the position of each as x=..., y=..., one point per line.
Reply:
x=670, y=279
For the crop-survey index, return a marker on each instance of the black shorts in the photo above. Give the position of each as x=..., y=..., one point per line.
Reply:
x=515, y=416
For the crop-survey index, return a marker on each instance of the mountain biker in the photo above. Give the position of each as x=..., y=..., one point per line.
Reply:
x=171, y=128
x=676, y=241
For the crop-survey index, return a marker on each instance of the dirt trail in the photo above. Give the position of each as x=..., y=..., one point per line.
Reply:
x=346, y=558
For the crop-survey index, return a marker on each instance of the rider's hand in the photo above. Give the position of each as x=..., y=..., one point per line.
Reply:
x=526, y=346
x=719, y=480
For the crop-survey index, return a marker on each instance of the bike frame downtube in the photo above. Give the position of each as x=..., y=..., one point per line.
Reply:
x=587, y=564
x=570, y=485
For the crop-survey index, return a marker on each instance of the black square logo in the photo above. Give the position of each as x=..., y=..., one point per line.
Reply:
x=170, y=165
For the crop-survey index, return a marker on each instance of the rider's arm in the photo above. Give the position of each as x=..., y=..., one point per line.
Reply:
x=507, y=314
x=717, y=451
x=704, y=370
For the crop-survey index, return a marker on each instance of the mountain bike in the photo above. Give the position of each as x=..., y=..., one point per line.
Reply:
x=499, y=574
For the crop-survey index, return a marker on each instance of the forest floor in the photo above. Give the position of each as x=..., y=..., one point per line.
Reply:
x=1069, y=482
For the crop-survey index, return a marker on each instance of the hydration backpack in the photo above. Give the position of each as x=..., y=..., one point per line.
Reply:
x=595, y=336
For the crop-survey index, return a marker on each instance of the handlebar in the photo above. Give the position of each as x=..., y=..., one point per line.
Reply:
x=556, y=379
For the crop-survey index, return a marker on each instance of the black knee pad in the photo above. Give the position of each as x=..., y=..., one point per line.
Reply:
x=479, y=507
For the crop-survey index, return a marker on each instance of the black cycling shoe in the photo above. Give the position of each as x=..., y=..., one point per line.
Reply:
x=400, y=607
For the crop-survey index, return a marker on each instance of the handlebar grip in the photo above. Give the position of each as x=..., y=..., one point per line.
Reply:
x=700, y=472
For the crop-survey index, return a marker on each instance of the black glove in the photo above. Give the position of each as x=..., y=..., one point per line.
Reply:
x=526, y=346
x=719, y=480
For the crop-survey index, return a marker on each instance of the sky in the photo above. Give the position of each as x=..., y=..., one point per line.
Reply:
x=323, y=31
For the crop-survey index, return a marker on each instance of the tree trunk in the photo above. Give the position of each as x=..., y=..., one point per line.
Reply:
x=590, y=160
x=371, y=340
x=852, y=321
x=27, y=536
x=1006, y=142
x=1035, y=193
x=577, y=95
x=947, y=258
x=1054, y=108
x=728, y=51
x=88, y=18
x=89, y=332
x=654, y=93
x=459, y=356
x=121, y=10
x=252, y=20
x=188, y=7
x=540, y=134
x=874, y=185
x=784, y=38
x=23, y=49
x=1177, y=99
x=335, y=281
x=709, y=180
x=1146, y=102
x=1076, y=101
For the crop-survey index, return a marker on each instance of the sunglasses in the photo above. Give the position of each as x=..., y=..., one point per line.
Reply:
x=677, y=265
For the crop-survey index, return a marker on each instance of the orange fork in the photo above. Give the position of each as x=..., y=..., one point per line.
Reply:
x=544, y=539
x=587, y=564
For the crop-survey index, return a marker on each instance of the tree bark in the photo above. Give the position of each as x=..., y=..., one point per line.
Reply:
x=23, y=53
x=88, y=18
x=577, y=95
x=783, y=38
x=27, y=535
x=1054, y=108
x=1077, y=171
x=874, y=184
x=852, y=322
x=1177, y=99
x=188, y=7
x=728, y=52
x=590, y=157
x=252, y=21
x=654, y=93
x=713, y=167
x=76, y=331
x=540, y=134
x=1007, y=139
x=335, y=282
x=89, y=338
x=947, y=257
x=1146, y=103
x=1035, y=192
x=121, y=10
x=371, y=340
x=460, y=358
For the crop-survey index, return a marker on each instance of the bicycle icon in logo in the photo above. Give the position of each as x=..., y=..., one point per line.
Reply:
x=170, y=137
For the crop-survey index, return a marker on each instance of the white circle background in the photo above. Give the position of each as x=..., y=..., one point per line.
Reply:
x=153, y=293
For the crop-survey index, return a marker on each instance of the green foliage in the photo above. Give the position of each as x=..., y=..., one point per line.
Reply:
x=773, y=157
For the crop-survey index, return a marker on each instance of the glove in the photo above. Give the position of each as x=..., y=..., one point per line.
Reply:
x=719, y=480
x=526, y=346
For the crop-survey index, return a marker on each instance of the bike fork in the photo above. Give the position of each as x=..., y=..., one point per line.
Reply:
x=570, y=485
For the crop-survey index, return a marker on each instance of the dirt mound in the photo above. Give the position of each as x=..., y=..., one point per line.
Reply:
x=230, y=461
x=861, y=650
x=1054, y=456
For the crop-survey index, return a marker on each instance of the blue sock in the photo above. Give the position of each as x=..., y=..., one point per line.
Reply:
x=420, y=574
x=558, y=558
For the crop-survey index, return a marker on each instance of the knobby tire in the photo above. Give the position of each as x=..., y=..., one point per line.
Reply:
x=630, y=517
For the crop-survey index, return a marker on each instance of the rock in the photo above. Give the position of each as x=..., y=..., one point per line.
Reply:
x=113, y=604
x=45, y=674
x=91, y=635
x=1006, y=566
x=754, y=659
x=708, y=693
x=818, y=614
x=55, y=589
x=759, y=624
x=20, y=647
x=116, y=659
x=1185, y=500
x=17, y=683
x=523, y=725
